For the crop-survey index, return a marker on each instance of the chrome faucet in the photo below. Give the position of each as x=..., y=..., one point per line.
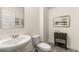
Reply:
x=14, y=36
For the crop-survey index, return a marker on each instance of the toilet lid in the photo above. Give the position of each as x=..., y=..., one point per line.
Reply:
x=44, y=46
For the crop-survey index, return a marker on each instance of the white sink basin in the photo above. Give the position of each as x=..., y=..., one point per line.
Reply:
x=11, y=44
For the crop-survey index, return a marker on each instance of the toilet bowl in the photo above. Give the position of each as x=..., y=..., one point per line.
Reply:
x=44, y=47
x=41, y=46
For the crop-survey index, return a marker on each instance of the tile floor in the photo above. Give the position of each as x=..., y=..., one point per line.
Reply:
x=59, y=49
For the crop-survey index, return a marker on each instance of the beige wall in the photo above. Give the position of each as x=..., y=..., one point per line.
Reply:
x=36, y=22
x=19, y=12
x=44, y=24
x=32, y=20
x=72, y=31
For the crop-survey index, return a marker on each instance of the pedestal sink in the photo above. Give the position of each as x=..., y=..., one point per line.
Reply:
x=12, y=44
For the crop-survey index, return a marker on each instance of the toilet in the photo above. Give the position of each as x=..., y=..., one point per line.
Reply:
x=39, y=45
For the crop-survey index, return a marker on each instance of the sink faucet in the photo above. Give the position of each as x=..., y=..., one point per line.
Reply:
x=14, y=36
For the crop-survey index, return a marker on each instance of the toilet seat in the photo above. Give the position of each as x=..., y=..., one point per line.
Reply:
x=44, y=46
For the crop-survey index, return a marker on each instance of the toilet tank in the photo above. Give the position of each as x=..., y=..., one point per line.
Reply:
x=36, y=39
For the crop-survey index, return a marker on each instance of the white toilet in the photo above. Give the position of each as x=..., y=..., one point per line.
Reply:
x=41, y=46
